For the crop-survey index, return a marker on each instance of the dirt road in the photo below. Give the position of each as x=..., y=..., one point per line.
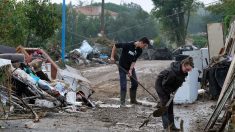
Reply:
x=111, y=119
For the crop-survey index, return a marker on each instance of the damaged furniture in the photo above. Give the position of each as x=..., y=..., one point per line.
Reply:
x=28, y=51
x=29, y=90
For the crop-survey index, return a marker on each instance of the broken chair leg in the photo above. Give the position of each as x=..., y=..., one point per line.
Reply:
x=36, y=117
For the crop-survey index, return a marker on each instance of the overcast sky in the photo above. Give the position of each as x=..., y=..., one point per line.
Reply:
x=147, y=5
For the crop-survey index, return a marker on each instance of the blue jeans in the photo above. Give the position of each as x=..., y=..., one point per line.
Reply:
x=123, y=80
x=168, y=115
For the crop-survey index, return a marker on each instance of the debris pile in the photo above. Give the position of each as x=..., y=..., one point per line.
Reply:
x=215, y=74
x=35, y=84
x=87, y=54
x=99, y=53
x=224, y=110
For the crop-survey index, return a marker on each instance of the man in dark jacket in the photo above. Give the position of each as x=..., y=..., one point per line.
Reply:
x=168, y=81
x=130, y=52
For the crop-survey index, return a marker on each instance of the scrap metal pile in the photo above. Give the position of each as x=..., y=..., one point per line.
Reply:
x=35, y=84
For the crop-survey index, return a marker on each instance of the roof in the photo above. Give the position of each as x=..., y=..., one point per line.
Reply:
x=94, y=11
x=6, y=49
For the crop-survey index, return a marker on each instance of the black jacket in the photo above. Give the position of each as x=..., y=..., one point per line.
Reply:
x=170, y=79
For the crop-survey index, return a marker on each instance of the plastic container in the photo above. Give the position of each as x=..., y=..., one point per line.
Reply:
x=71, y=97
x=188, y=92
x=44, y=103
x=46, y=68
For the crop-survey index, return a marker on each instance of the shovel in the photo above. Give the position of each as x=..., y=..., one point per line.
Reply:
x=160, y=111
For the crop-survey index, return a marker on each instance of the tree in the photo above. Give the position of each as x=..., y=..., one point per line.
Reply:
x=6, y=25
x=27, y=22
x=174, y=17
x=131, y=24
x=199, y=20
x=41, y=20
x=226, y=9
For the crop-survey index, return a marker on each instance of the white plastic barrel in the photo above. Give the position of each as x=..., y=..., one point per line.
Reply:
x=188, y=92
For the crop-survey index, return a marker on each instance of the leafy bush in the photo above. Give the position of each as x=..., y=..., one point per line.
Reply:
x=199, y=41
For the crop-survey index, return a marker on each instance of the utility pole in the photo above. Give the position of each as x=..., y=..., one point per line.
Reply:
x=63, y=31
x=72, y=29
x=102, y=18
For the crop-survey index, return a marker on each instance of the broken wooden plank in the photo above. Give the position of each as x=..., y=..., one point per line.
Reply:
x=220, y=105
x=230, y=40
x=215, y=38
x=227, y=79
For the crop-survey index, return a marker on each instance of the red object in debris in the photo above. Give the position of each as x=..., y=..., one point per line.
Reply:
x=28, y=57
x=38, y=52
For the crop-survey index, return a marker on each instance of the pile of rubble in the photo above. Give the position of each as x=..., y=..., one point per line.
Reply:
x=87, y=54
x=31, y=82
x=99, y=53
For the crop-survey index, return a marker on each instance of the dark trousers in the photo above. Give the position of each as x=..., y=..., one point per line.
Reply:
x=123, y=81
x=168, y=116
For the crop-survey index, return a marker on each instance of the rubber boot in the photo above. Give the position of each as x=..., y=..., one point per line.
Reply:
x=165, y=121
x=123, y=99
x=172, y=123
x=133, y=97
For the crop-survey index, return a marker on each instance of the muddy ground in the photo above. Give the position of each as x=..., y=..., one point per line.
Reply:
x=105, y=82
